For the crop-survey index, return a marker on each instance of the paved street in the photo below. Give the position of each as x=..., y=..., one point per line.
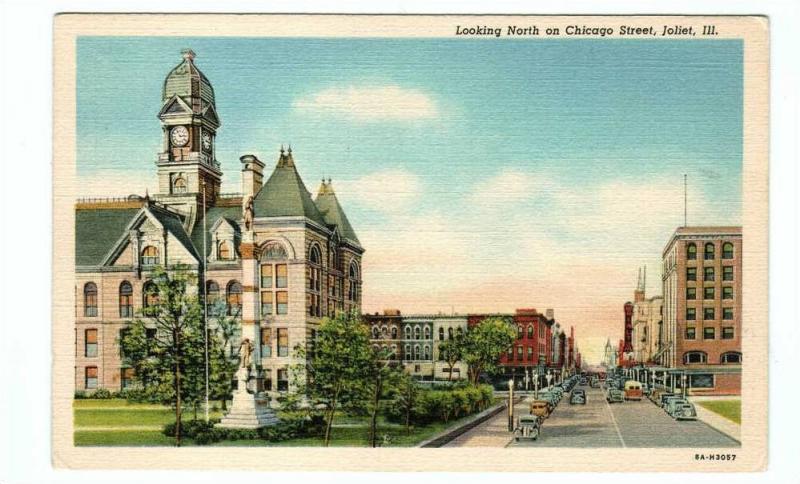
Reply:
x=598, y=424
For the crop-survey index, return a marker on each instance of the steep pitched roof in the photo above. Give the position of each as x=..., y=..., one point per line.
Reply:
x=97, y=231
x=332, y=212
x=285, y=195
x=213, y=214
x=174, y=225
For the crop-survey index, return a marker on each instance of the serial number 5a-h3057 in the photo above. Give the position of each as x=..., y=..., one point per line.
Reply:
x=730, y=457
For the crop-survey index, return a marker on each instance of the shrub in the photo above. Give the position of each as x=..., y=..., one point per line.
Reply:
x=101, y=394
x=80, y=394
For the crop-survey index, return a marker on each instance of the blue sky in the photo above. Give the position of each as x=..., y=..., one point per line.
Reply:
x=492, y=158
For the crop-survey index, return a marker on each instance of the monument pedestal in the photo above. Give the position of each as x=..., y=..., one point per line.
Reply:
x=247, y=411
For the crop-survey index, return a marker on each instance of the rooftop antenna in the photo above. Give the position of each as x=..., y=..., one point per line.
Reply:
x=684, y=200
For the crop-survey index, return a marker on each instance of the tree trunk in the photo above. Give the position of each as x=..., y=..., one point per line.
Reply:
x=450, y=373
x=329, y=423
x=373, y=426
x=178, y=403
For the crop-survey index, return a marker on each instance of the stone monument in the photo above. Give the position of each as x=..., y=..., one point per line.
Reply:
x=248, y=410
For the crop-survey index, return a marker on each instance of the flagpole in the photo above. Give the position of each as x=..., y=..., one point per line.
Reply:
x=205, y=296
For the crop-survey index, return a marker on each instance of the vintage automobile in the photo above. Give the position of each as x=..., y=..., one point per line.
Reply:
x=528, y=427
x=583, y=380
x=685, y=411
x=615, y=395
x=540, y=408
x=578, y=397
x=633, y=390
x=594, y=382
x=550, y=398
x=663, y=396
x=673, y=404
x=666, y=401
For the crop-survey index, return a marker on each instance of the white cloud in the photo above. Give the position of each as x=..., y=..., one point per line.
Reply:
x=388, y=191
x=370, y=103
x=509, y=186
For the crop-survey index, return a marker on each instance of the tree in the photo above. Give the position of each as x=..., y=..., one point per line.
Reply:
x=484, y=343
x=337, y=374
x=165, y=344
x=405, y=396
x=452, y=351
x=223, y=362
x=381, y=378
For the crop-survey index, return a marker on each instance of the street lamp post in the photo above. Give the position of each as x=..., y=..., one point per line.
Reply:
x=511, y=405
x=535, y=385
x=549, y=379
x=652, y=379
x=683, y=383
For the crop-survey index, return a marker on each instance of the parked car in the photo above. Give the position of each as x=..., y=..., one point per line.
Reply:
x=594, y=382
x=633, y=390
x=615, y=395
x=673, y=404
x=685, y=411
x=667, y=400
x=662, y=398
x=583, y=381
x=540, y=408
x=578, y=397
x=528, y=427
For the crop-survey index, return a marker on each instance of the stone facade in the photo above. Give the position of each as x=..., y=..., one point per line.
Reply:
x=278, y=258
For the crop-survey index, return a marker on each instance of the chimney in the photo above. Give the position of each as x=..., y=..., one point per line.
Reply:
x=252, y=176
x=550, y=314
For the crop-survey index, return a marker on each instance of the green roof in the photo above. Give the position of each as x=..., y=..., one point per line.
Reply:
x=179, y=81
x=285, y=195
x=333, y=214
x=97, y=231
x=231, y=214
x=174, y=225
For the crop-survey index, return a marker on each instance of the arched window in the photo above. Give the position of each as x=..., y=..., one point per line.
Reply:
x=150, y=294
x=727, y=250
x=407, y=332
x=450, y=333
x=394, y=332
x=709, y=251
x=224, y=251
x=384, y=332
x=125, y=300
x=332, y=261
x=427, y=332
x=149, y=256
x=691, y=251
x=90, y=299
x=426, y=352
x=352, y=283
x=530, y=331
x=179, y=185
x=441, y=334
x=417, y=332
x=274, y=280
x=374, y=332
x=393, y=355
x=416, y=352
x=314, y=282
x=234, y=298
x=408, y=352
x=519, y=332
x=731, y=357
x=212, y=296
x=460, y=332
x=694, y=357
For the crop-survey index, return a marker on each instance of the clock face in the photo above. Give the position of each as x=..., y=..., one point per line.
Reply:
x=206, y=141
x=179, y=135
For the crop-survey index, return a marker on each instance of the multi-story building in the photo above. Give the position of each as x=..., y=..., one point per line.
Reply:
x=702, y=281
x=646, y=322
x=609, y=355
x=278, y=258
x=417, y=334
x=386, y=333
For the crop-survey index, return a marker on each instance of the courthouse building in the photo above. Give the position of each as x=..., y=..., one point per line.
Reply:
x=280, y=259
x=702, y=282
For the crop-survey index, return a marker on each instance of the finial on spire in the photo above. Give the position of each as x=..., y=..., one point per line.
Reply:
x=329, y=180
x=290, y=148
x=282, y=150
x=188, y=54
x=146, y=195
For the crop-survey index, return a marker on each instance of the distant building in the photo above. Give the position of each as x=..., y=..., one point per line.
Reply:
x=702, y=281
x=609, y=355
x=647, y=322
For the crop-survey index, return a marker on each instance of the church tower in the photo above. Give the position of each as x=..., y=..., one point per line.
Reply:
x=187, y=164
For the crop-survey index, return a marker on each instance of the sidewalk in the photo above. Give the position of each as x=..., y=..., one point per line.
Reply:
x=492, y=433
x=718, y=422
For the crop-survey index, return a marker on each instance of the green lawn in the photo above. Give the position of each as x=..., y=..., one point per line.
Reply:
x=730, y=409
x=95, y=422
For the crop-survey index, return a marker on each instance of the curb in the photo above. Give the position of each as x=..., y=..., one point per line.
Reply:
x=451, y=433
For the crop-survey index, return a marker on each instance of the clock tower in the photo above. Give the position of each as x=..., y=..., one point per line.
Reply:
x=187, y=165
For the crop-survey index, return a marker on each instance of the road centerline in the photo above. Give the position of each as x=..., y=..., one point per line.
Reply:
x=616, y=426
